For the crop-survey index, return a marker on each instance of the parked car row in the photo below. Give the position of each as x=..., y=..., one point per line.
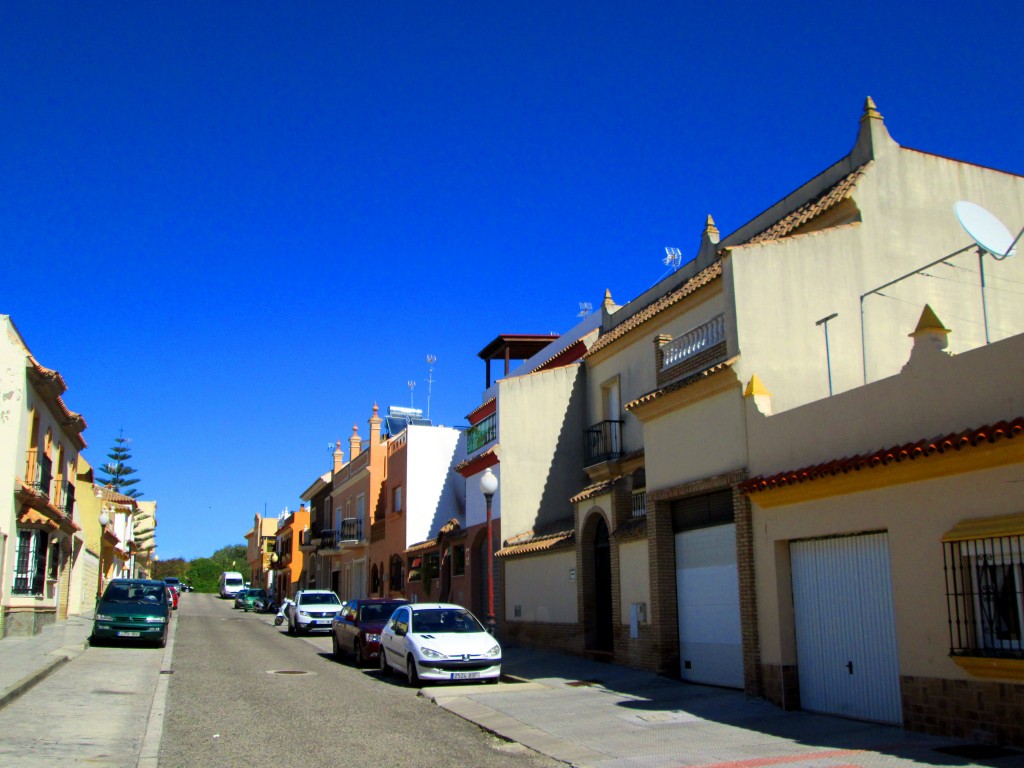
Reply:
x=437, y=642
x=133, y=610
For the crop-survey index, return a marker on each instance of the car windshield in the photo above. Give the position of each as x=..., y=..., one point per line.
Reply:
x=233, y=582
x=437, y=620
x=256, y=593
x=319, y=598
x=379, y=612
x=135, y=593
x=171, y=580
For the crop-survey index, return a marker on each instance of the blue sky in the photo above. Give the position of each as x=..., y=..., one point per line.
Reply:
x=234, y=226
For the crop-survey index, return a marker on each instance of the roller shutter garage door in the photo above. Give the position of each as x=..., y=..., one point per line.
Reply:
x=845, y=627
x=707, y=589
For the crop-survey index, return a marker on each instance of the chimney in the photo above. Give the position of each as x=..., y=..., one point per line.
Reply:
x=375, y=422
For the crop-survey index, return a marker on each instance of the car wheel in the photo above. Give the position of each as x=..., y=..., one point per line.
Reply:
x=95, y=642
x=357, y=650
x=335, y=648
x=385, y=668
x=411, y=677
x=162, y=642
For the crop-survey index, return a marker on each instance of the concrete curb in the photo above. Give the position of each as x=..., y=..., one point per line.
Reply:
x=30, y=680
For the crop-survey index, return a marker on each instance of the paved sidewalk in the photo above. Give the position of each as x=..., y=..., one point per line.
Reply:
x=24, y=661
x=586, y=713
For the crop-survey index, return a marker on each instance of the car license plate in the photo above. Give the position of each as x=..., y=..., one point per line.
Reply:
x=322, y=622
x=129, y=634
x=465, y=675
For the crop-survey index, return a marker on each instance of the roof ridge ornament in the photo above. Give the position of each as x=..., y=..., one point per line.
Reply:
x=871, y=111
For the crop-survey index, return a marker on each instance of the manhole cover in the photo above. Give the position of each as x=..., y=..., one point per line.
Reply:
x=288, y=672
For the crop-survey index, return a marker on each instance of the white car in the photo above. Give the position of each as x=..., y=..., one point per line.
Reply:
x=438, y=642
x=313, y=609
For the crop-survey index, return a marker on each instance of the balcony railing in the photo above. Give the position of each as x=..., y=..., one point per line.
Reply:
x=39, y=473
x=482, y=433
x=693, y=342
x=603, y=441
x=66, y=503
x=351, y=531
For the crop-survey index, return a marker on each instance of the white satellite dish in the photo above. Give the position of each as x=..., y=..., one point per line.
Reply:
x=985, y=229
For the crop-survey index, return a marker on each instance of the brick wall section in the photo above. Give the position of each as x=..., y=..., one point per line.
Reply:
x=662, y=653
x=752, y=683
x=567, y=638
x=965, y=709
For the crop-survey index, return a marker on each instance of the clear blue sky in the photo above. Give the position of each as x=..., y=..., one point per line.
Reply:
x=234, y=226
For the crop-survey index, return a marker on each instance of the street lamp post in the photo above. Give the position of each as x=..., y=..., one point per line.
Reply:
x=488, y=487
x=104, y=521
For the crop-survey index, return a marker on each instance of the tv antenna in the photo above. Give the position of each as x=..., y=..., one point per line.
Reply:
x=673, y=258
x=991, y=236
x=431, y=359
x=411, y=383
x=585, y=309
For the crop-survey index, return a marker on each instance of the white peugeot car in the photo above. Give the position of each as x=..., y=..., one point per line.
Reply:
x=438, y=642
x=313, y=609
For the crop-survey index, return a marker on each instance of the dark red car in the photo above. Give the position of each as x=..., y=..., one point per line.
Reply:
x=356, y=628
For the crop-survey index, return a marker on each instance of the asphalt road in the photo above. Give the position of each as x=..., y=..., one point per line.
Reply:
x=243, y=693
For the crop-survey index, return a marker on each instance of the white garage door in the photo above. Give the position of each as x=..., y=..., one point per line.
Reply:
x=845, y=630
x=707, y=585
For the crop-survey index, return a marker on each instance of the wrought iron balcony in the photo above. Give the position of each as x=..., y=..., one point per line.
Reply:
x=39, y=474
x=603, y=441
x=482, y=433
x=351, y=532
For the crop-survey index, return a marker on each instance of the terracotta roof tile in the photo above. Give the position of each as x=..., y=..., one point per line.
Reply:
x=532, y=543
x=483, y=459
x=922, y=449
x=695, y=283
x=712, y=370
x=828, y=199
x=594, y=490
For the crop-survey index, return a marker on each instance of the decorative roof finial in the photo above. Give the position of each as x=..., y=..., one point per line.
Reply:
x=870, y=110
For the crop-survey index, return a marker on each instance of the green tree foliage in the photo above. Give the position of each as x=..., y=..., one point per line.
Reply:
x=204, y=572
x=176, y=566
x=117, y=470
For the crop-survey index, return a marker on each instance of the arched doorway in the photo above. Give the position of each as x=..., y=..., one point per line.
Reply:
x=598, y=614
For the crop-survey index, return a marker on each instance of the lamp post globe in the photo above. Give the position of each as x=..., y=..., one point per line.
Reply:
x=488, y=487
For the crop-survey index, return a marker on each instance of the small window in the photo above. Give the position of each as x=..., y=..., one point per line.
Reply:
x=985, y=596
x=398, y=499
x=30, y=562
x=459, y=560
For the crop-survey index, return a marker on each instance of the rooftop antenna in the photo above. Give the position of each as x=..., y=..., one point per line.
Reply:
x=411, y=383
x=431, y=359
x=991, y=236
x=585, y=309
x=673, y=258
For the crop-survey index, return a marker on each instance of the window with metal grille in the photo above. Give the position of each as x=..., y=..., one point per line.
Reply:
x=30, y=563
x=985, y=596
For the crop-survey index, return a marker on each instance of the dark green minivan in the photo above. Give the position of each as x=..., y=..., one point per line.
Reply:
x=132, y=609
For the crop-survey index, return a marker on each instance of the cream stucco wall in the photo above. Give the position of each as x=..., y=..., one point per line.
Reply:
x=540, y=446
x=542, y=587
x=906, y=202
x=915, y=502
x=704, y=439
x=634, y=577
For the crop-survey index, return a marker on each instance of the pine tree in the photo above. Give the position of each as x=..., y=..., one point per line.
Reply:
x=117, y=470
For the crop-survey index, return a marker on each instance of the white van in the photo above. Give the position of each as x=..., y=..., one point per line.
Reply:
x=231, y=583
